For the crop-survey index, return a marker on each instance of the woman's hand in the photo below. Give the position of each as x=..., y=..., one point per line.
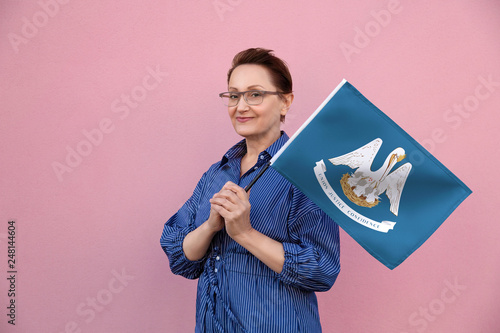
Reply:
x=232, y=204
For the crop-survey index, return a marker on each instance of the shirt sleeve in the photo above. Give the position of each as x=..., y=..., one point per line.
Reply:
x=174, y=232
x=312, y=258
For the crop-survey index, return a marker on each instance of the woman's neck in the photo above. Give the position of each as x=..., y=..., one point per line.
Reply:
x=258, y=145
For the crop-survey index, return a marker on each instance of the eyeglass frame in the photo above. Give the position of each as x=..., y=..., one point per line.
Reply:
x=242, y=93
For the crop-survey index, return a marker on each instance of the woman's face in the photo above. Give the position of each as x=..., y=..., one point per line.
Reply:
x=256, y=122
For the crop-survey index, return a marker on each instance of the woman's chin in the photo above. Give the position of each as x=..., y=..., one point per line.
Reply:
x=244, y=131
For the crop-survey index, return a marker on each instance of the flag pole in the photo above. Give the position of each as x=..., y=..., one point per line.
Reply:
x=249, y=186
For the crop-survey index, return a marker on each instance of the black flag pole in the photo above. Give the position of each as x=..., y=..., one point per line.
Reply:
x=249, y=186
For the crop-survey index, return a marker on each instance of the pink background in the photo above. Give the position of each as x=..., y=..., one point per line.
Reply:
x=65, y=69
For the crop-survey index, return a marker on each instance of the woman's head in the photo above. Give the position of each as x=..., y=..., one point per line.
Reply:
x=261, y=71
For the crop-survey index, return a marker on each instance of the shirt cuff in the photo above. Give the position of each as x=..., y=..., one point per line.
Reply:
x=295, y=255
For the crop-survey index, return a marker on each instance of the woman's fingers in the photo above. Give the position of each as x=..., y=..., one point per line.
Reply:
x=232, y=193
x=239, y=191
x=231, y=202
x=225, y=198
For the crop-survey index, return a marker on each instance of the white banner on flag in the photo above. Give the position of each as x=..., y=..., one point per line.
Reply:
x=319, y=171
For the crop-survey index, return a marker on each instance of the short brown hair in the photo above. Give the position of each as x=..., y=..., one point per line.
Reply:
x=278, y=69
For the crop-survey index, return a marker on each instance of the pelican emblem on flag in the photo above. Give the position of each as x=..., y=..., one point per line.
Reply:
x=364, y=186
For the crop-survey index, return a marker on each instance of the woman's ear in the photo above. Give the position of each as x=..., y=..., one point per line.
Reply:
x=287, y=102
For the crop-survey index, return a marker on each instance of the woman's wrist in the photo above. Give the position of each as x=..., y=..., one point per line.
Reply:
x=209, y=228
x=196, y=243
x=245, y=238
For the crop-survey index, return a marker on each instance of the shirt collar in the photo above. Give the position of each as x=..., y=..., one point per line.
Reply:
x=239, y=150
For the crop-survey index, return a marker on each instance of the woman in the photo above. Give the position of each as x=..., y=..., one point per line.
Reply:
x=259, y=256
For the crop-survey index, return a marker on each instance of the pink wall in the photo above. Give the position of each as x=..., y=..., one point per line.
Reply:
x=88, y=231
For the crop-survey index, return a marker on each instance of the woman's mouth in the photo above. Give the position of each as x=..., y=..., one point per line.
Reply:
x=243, y=119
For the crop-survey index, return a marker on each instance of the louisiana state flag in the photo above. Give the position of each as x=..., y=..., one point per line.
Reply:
x=380, y=185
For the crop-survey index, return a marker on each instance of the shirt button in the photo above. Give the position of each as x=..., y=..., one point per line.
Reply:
x=261, y=157
x=255, y=168
x=217, y=258
x=216, y=270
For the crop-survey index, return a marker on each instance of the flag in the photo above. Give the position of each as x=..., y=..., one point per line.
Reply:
x=373, y=179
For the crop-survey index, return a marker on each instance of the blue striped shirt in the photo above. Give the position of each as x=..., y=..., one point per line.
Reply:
x=236, y=291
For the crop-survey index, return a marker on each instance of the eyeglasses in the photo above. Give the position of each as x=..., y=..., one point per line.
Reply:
x=252, y=97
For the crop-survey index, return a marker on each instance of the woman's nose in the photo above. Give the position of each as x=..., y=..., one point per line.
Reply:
x=242, y=105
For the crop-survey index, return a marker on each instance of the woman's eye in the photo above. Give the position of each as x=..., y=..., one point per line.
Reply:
x=233, y=96
x=256, y=94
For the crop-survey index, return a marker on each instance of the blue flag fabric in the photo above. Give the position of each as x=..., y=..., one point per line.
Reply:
x=380, y=185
